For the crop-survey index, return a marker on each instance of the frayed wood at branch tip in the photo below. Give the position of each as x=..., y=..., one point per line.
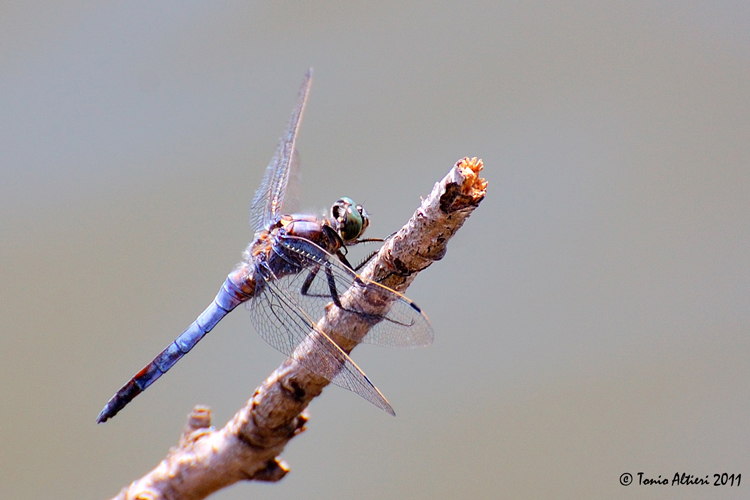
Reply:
x=248, y=446
x=423, y=240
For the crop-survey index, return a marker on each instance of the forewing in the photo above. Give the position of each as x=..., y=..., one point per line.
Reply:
x=268, y=202
x=291, y=203
x=396, y=320
x=279, y=320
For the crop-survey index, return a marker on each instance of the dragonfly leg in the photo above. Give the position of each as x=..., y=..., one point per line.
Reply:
x=366, y=260
x=332, y=288
x=333, y=293
x=371, y=255
x=330, y=279
x=371, y=240
x=343, y=259
x=308, y=281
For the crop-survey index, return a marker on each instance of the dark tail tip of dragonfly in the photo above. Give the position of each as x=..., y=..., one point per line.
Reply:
x=111, y=409
x=117, y=402
x=103, y=415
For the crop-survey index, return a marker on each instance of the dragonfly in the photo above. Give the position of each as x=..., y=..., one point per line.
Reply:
x=291, y=273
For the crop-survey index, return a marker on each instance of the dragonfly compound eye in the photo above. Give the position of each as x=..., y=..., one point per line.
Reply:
x=365, y=218
x=352, y=219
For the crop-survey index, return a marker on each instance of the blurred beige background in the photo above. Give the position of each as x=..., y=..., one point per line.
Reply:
x=591, y=318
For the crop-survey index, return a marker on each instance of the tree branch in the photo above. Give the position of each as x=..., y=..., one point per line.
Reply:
x=248, y=446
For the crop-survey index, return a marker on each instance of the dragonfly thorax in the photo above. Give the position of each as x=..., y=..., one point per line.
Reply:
x=319, y=231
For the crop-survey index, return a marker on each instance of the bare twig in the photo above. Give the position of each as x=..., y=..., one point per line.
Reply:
x=248, y=446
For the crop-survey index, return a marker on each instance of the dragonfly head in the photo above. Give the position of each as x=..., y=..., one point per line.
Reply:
x=351, y=219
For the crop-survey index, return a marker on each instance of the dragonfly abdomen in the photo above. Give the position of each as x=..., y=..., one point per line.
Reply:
x=231, y=294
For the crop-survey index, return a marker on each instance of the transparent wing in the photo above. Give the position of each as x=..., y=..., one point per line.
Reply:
x=268, y=202
x=290, y=203
x=281, y=323
x=396, y=320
